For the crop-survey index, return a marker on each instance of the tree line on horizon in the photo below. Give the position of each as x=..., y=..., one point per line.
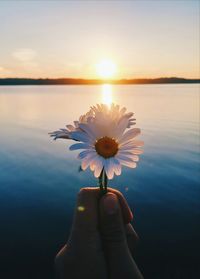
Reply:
x=79, y=81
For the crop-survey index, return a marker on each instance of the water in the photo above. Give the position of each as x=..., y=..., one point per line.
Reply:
x=39, y=180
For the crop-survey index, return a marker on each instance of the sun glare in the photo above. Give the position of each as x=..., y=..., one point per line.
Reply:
x=106, y=69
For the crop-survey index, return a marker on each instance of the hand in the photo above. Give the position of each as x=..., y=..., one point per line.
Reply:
x=102, y=240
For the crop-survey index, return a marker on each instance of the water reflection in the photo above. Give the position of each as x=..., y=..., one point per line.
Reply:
x=107, y=96
x=39, y=178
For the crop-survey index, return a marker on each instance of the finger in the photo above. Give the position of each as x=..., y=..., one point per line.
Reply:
x=85, y=223
x=86, y=208
x=132, y=238
x=126, y=211
x=111, y=222
x=119, y=261
x=95, y=192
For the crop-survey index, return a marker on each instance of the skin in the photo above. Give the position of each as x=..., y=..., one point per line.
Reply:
x=102, y=240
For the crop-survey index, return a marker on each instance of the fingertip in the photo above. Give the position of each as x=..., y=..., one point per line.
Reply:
x=87, y=189
x=86, y=215
x=126, y=211
x=109, y=203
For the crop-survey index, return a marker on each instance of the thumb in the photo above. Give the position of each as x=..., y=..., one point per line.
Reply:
x=111, y=223
x=119, y=261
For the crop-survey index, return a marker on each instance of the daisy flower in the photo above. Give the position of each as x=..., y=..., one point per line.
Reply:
x=107, y=140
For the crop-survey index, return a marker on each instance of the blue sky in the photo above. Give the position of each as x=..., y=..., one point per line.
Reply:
x=68, y=38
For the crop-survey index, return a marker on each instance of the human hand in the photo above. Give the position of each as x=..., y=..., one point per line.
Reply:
x=102, y=240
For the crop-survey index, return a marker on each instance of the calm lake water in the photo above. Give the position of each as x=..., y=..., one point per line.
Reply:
x=39, y=178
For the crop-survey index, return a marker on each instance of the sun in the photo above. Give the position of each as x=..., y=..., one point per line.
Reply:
x=106, y=69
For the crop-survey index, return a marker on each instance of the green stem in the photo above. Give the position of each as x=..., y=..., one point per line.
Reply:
x=100, y=181
x=103, y=181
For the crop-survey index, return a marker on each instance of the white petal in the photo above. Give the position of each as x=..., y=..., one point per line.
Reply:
x=92, y=167
x=132, y=119
x=60, y=134
x=138, y=151
x=124, y=157
x=122, y=111
x=87, y=128
x=117, y=166
x=70, y=127
x=121, y=127
x=129, y=155
x=98, y=167
x=130, y=134
x=80, y=136
x=132, y=143
x=94, y=162
x=133, y=150
x=129, y=114
x=128, y=164
x=79, y=146
x=76, y=124
x=86, y=153
x=109, y=168
x=86, y=162
x=118, y=170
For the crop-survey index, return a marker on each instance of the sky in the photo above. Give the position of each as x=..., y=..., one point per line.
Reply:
x=143, y=39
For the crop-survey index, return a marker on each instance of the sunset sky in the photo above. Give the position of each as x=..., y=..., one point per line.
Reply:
x=71, y=39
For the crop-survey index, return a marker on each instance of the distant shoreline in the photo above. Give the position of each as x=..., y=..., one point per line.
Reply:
x=79, y=81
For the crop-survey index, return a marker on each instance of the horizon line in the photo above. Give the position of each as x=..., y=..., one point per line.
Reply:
x=96, y=78
x=94, y=81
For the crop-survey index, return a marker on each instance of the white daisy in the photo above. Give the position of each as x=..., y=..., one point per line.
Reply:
x=107, y=141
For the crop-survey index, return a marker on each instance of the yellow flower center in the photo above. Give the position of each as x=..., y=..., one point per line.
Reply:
x=106, y=147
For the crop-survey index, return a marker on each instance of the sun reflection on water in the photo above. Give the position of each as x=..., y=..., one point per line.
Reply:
x=107, y=97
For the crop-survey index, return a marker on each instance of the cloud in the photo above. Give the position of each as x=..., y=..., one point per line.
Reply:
x=24, y=54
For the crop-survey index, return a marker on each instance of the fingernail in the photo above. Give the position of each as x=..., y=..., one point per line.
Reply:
x=110, y=203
